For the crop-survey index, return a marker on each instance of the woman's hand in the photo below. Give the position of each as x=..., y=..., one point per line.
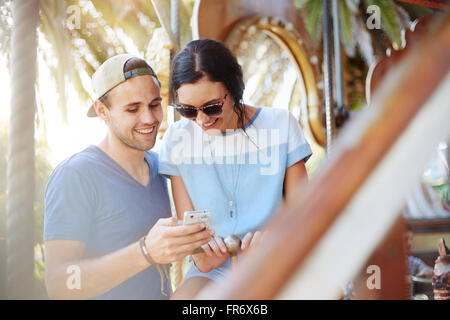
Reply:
x=215, y=255
x=251, y=240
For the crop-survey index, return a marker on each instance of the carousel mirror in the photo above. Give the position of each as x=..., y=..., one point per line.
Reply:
x=273, y=75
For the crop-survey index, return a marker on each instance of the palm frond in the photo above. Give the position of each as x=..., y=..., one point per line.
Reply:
x=394, y=19
x=389, y=20
x=415, y=11
x=313, y=13
x=365, y=42
x=347, y=26
x=52, y=20
x=127, y=19
x=6, y=22
x=353, y=5
x=300, y=4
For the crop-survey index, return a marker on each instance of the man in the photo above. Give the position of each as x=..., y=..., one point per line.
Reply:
x=108, y=229
x=415, y=266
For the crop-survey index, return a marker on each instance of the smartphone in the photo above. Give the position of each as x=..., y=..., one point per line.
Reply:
x=197, y=216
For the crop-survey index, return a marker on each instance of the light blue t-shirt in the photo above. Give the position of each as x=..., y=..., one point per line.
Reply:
x=244, y=169
x=90, y=198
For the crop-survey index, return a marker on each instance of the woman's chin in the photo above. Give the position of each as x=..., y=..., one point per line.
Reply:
x=214, y=128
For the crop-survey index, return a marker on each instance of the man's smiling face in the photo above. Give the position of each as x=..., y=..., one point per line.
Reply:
x=135, y=112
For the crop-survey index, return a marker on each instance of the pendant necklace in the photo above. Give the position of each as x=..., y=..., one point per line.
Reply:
x=234, y=184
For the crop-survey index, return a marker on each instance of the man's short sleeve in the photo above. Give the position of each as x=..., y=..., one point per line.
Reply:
x=298, y=147
x=167, y=155
x=69, y=206
x=415, y=265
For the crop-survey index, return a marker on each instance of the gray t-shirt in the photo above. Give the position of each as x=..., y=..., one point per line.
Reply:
x=92, y=199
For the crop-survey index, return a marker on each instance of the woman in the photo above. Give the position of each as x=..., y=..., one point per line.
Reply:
x=232, y=159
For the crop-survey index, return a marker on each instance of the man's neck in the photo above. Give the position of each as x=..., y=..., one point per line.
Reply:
x=131, y=160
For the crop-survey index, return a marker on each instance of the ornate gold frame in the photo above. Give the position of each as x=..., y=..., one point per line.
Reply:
x=220, y=19
x=285, y=37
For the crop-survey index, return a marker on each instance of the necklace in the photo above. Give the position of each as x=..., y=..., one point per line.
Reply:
x=234, y=184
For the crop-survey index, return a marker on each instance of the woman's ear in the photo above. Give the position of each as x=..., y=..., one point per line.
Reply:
x=102, y=110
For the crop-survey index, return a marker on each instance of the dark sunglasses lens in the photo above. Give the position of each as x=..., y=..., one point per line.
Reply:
x=188, y=112
x=213, y=110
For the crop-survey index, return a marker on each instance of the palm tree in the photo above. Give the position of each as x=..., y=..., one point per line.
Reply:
x=20, y=187
x=5, y=27
x=353, y=15
x=107, y=27
x=362, y=47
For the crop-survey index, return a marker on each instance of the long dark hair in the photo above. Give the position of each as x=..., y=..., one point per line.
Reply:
x=210, y=58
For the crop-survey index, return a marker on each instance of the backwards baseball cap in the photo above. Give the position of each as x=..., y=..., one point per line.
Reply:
x=111, y=73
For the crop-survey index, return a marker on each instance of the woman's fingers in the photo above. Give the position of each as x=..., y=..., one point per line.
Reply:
x=214, y=246
x=251, y=239
x=257, y=237
x=207, y=250
x=221, y=244
x=246, y=241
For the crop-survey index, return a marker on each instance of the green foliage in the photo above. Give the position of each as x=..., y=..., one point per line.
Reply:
x=414, y=10
x=5, y=27
x=352, y=15
x=443, y=192
x=313, y=19
x=301, y=3
x=40, y=292
x=390, y=20
x=346, y=17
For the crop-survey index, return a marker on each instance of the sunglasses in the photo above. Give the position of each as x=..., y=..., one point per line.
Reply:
x=211, y=110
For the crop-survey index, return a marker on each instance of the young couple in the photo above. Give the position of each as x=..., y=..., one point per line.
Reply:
x=108, y=229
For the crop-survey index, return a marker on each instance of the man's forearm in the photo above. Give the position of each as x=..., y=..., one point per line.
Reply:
x=96, y=276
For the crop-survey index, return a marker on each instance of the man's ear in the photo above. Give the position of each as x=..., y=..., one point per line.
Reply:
x=102, y=110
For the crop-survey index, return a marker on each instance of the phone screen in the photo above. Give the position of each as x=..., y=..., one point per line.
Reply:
x=199, y=216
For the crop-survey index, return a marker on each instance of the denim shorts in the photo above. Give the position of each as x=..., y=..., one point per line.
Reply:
x=215, y=274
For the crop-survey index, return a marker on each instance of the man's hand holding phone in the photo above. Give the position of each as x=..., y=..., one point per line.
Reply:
x=167, y=241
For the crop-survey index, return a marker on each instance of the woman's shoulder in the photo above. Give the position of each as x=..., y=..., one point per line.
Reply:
x=181, y=126
x=271, y=115
x=176, y=133
x=183, y=123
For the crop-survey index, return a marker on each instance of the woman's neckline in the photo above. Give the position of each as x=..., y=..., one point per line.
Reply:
x=253, y=118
